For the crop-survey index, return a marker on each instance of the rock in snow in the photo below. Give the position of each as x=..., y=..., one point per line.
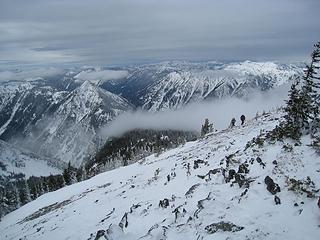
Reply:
x=216, y=206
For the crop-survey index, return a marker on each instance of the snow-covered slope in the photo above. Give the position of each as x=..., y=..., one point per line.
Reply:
x=56, y=123
x=171, y=85
x=201, y=196
x=69, y=133
x=16, y=161
x=24, y=103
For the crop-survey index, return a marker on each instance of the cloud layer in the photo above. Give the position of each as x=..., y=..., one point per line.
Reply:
x=99, y=76
x=29, y=74
x=192, y=116
x=116, y=32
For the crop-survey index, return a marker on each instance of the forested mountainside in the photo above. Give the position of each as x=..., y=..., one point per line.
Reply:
x=16, y=166
x=135, y=145
x=29, y=179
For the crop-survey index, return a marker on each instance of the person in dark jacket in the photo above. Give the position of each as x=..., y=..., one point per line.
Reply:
x=232, y=123
x=242, y=118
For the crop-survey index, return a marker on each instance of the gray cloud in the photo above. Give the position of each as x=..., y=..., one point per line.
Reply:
x=192, y=116
x=99, y=76
x=29, y=74
x=125, y=31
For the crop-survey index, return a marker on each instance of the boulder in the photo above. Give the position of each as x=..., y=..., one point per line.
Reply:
x=223, y=227
x=272, y=187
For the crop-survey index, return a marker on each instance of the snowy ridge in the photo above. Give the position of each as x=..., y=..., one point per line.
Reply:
x=8, y=90
x=280, y=72
x=200, y=199
x=171, y=85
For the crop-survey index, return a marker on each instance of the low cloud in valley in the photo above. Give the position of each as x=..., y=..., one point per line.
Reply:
x=219, y=112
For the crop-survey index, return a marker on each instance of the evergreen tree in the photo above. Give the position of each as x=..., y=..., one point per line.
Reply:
x=60, y=181
x=12, y=196
x=67, y=174
x=315, y=75
x=206, y=127
x=52, y=185
x=310, y=92
x=294, y=113
x=302, y=108
x=3, y=200
x=80, y=174
x=23, y=189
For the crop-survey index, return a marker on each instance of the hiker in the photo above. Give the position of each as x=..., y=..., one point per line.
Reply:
x=232, y=123
x=242, y=118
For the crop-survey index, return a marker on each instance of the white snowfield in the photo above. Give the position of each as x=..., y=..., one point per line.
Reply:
x=124, y=203
x=18, y=161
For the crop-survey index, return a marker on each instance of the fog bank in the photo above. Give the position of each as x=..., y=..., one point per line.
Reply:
x=219, y=112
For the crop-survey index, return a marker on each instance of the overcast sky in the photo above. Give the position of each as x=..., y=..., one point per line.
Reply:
x=106, y=32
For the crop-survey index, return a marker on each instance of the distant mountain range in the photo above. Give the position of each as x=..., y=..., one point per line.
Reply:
x=171, y=85
x=58, y=116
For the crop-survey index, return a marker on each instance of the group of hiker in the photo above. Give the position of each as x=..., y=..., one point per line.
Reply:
x=233, y=121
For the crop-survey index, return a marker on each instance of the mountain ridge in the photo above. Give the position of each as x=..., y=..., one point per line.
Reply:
x=171, y=85
x=31, y=110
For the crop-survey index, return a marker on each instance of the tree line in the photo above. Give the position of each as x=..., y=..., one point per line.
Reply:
x=17, y=190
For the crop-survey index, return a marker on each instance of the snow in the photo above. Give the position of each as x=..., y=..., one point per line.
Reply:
x=16, y=107
x=175, y=84
x=80, y=210
x=21, y=161
x=69, y=134
x=169, y=85
x=8, y=91
x=272, y=69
